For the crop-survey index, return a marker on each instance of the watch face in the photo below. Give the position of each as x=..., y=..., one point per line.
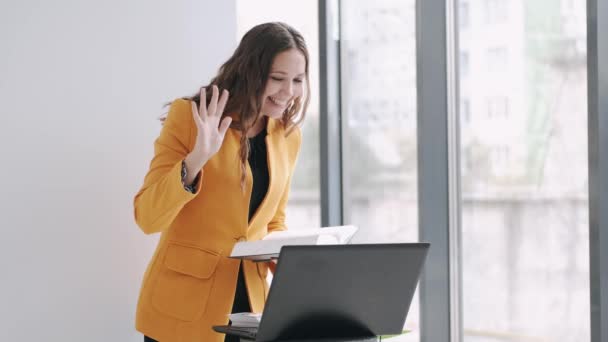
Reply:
x=184, y=171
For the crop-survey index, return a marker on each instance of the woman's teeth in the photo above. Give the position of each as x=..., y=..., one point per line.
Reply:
x=277, y=102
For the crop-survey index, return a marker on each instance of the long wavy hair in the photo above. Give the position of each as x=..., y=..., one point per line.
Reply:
x=245, y=75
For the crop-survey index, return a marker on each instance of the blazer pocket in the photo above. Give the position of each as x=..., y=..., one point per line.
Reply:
x=184, y=281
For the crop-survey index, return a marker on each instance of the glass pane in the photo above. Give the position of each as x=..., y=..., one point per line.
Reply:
x=304, y=209
x=378, y=67
x=524, y=176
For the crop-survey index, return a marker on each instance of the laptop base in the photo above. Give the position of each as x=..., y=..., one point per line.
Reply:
x=368, y=339
x=240, y=332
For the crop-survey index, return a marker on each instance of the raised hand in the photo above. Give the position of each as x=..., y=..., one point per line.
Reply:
x=210, y=131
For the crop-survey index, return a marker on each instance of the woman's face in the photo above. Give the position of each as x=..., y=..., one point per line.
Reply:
x=285, y=83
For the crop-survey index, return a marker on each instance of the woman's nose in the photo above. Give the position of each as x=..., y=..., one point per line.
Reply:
x=288, y=88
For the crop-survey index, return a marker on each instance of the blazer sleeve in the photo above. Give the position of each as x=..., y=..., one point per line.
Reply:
x=162, y=195
x=278, y=220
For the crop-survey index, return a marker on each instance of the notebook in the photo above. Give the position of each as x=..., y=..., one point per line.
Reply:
x=270, y=246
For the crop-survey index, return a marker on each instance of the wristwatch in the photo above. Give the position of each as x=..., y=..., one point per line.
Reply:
x=192, y=187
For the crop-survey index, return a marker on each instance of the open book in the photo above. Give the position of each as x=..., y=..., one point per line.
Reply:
x=270, y=246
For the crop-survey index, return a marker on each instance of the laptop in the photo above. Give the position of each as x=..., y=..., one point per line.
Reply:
x=338, y=291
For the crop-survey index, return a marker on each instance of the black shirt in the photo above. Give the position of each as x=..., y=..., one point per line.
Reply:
x=258, y=161
x=259, y=170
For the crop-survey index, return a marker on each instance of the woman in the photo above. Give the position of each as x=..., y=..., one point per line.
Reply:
x=220, y=174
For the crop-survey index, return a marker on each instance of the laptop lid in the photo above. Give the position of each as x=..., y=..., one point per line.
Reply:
x=341, y=291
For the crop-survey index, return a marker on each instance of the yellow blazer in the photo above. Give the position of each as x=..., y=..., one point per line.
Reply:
x=190, y=282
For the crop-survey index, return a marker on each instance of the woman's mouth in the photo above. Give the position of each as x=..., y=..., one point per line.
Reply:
x=278, y=102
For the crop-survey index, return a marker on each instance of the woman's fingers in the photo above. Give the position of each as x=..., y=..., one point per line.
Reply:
x=213, y=103
x=215, y=108
x=222, y=103
x=195, y=114
x=203, y=104
x=224, y=126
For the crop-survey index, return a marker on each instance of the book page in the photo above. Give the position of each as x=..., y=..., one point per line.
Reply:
x=270, y=246
x=343, y=234
x=328, y=239
x=286, y=234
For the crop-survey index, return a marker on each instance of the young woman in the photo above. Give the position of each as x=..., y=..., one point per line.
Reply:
x=221, y=173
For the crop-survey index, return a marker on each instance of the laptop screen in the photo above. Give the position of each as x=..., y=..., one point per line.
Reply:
x=341, y=290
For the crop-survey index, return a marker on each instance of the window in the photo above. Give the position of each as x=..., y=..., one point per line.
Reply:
x=495, y=11
x=463, y=15
x=497, y=107
x=464, y=64
x=465, y=111
x=497, y=59
x=525, y=253
x=378, y=70
x=500, y=158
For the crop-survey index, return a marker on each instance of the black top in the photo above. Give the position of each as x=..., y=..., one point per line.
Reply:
x=259, y=170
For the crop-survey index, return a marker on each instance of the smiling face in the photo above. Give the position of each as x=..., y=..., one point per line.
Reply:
x=286, y=82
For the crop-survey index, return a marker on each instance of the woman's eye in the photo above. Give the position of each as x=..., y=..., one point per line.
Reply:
x=278, y=79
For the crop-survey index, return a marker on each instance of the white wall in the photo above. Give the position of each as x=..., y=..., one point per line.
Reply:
x=81, y=86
